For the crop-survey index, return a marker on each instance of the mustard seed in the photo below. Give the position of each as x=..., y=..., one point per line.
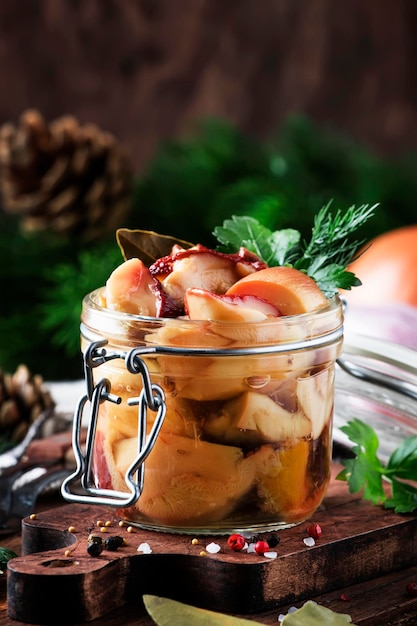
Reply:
x=72, y=529
x=32, y=516
x=95, y=538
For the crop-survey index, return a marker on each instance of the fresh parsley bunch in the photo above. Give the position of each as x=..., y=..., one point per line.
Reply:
x=366, y=472
x=324, y=258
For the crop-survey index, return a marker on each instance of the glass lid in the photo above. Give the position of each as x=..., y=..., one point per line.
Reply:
x=376, y=382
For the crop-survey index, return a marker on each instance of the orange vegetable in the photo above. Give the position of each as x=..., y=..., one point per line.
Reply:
x=388, y=269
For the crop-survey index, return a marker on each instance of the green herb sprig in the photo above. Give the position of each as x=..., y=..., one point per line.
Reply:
x=365, y=472
x=324, y=258
x=5, y=555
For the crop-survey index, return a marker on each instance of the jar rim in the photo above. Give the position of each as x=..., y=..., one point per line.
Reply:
x=91, y=300
x=208, y=337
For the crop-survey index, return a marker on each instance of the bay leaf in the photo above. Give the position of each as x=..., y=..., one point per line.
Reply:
x=166, y=612
x=146, y=245
x=313, y=614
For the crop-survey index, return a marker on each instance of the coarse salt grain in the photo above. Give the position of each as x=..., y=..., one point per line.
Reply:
x=271, y=554
x=213, y=548
x=145, y=548
x=281, y=616
x=251, y=548
x=309, y=541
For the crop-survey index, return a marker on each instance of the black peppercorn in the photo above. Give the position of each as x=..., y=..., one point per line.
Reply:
x=94, y=548
x=113, y=543
x=273, y=540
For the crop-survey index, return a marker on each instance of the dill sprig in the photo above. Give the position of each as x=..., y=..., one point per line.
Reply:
x=331, y=232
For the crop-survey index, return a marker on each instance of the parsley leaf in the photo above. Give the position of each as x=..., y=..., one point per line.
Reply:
x=324, y=257
x=404, y=497
x=366, y=472
x=283, y=243
x=272, y=247
x=403, y=461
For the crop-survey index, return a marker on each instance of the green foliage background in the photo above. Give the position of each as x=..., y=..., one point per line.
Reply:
x=190, y=187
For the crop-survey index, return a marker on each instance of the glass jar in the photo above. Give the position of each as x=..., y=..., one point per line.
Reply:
x=207, y=427
x=376, y=382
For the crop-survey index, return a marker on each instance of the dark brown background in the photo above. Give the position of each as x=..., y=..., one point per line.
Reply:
x=147, y=69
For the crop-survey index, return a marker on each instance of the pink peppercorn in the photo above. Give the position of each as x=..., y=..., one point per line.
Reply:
x=314, y=531
x=236, y=542
x=261, y=547
x=411, y=589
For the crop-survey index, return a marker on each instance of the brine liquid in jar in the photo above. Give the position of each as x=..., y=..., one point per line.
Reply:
x=246, y=441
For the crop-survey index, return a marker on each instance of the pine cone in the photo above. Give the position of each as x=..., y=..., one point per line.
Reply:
x=22, y=400
x=74, y=180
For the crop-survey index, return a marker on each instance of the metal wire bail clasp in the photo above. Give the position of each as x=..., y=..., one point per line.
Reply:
x=151, y=398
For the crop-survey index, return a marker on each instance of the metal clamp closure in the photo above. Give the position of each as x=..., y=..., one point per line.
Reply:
x=151, y=398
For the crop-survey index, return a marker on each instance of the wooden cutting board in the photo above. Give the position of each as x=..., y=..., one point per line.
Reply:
x=359, y=542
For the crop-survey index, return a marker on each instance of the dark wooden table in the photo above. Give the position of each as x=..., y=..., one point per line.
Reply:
x=380, y=601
